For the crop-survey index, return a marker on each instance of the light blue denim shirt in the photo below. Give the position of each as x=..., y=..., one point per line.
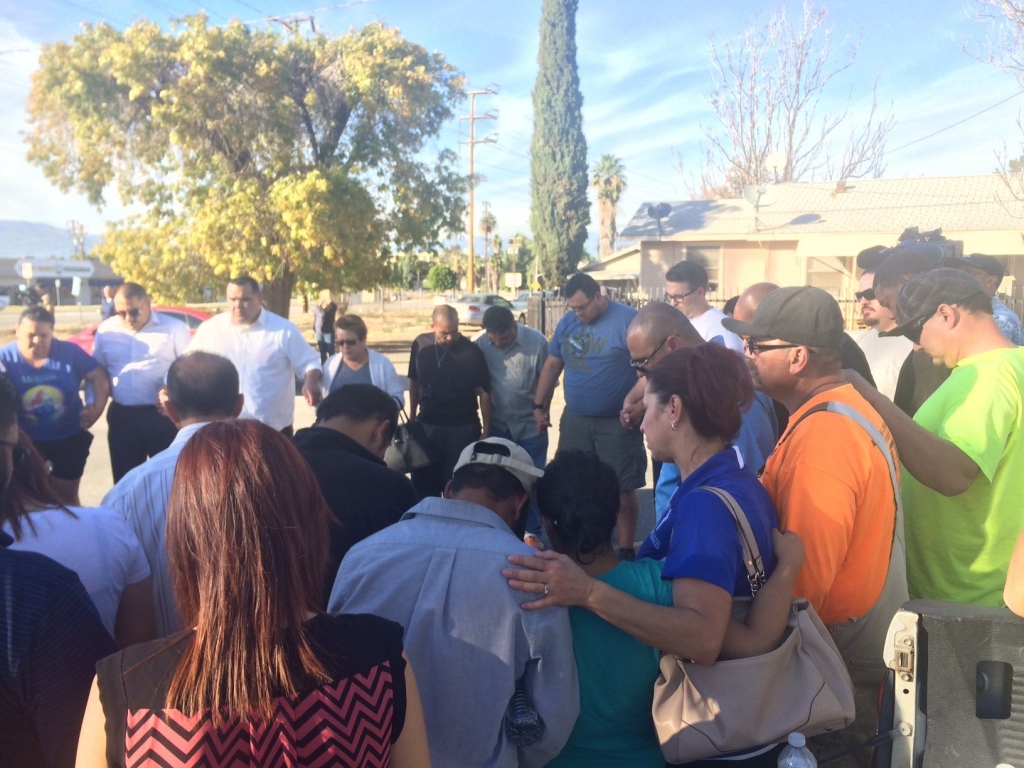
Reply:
x=437, y=572
x=1008, y=322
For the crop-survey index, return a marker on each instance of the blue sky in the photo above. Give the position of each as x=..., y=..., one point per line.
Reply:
x=644, y=75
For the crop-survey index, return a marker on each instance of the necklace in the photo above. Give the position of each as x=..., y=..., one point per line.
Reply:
x=439, y=357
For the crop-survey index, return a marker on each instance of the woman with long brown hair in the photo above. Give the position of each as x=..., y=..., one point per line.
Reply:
x=94, y=542
x=260, y=677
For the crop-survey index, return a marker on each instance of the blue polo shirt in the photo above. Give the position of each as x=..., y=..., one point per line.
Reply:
x=50, y=406
x=597, y=372
x=697, y=537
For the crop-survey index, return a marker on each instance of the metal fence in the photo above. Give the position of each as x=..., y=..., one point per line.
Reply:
x=543, y=313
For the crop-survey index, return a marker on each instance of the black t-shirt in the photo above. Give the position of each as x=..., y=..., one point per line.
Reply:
x=448, y=379
x=364, y=495
x=853, y=357
x=919, y=378
x=362, y=653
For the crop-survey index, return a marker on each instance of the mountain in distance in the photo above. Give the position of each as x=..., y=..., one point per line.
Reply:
x=30, y=238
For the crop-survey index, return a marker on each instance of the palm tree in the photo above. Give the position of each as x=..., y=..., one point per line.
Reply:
x=488, y=224
x=608, y=177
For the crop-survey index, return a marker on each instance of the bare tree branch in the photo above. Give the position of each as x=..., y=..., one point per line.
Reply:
x=768, y=87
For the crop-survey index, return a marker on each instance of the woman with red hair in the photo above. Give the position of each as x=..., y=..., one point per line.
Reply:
x=260, y=677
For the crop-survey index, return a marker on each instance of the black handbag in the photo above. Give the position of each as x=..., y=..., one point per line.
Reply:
x=410, y=448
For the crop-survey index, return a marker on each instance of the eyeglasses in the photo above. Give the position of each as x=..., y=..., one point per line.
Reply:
x=676, y=298
x=868, y=295
x=346, y=342
x=640, y=366
x=19, y=453
x=756, y=347
x=132, y=313
x=582, y=307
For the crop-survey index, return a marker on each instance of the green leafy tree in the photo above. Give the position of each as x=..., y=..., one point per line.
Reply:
x=560, y=210
x=442, y=278
x=299, y=160
x=608, y=178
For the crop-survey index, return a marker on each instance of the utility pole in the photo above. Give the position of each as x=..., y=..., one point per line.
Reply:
x=473, y=141
x=293, y=23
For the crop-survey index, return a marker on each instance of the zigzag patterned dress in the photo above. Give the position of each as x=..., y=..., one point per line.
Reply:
x=351, y=721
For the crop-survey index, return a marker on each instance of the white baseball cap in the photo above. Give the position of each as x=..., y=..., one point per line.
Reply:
x=505, y=454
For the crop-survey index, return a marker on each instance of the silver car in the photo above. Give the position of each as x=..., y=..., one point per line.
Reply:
x=471, y=308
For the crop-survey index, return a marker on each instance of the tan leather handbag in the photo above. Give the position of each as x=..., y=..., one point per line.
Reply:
x=709, y=711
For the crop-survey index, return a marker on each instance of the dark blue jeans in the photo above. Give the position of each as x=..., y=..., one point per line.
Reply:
x=537, y=447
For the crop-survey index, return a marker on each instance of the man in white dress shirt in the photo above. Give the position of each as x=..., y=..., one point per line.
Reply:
x=136, y=347
x=201, y=388
x=268, y=351
x=686, y=287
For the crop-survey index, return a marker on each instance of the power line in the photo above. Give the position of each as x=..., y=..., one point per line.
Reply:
x=91, y=12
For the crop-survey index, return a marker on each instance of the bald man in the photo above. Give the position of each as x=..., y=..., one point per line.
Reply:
x=447, y=374
x=657, y=330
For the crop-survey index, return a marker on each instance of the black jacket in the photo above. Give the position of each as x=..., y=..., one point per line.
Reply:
x=362, y=492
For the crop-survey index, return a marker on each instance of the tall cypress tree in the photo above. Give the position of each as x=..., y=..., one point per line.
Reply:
x=558, y=157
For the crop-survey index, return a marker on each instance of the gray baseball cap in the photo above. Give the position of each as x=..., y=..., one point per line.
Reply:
x=799, y=315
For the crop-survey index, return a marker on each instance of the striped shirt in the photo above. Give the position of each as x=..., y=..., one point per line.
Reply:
x=141, y=498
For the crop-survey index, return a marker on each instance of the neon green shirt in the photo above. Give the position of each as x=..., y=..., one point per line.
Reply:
x=616, y=676
x=959, y=547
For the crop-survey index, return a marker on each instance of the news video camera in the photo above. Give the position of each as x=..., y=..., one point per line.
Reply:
x=932, y=244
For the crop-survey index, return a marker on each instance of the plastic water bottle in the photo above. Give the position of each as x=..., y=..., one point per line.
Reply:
x=796, y=754
x=523, y=724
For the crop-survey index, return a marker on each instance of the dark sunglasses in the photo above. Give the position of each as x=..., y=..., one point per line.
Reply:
x=868, y=295
x=132, y=313
x=346, y=342
x=912, y=330
x=19, y=453
x=640, y=366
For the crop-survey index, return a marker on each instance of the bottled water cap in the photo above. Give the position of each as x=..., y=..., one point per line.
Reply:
x=797, y=740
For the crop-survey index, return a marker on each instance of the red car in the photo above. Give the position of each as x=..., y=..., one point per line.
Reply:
x=191, y=317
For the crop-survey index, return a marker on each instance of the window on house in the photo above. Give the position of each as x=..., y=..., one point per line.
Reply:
x=709, y=257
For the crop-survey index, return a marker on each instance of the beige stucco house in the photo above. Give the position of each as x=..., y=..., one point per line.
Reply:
x=810, y=233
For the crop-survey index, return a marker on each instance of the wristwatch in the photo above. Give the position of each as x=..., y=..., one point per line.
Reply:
x=539, y=407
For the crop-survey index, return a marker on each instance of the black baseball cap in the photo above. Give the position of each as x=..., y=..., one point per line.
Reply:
x=901, y=261
x=990, y=265
x=924, y=293
x=799, y=315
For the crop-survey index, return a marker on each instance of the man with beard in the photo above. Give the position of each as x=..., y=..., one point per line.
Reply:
x=447, y=373
x=885, y=354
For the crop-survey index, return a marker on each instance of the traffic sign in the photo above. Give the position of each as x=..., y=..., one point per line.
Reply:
x=34, y=269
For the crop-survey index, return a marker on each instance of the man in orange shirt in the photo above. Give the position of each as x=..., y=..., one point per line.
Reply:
x=832, y=484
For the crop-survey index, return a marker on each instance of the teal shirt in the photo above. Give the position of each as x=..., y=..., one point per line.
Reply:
x=616, y=677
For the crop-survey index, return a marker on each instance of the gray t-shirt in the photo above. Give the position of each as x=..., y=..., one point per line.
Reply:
x=346, y=375
x=514, y=373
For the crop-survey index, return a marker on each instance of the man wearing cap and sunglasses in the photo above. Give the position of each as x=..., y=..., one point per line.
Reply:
x=989, y=272
x=136, y=348
x=834, y=478
x=885, y=355
x=437, y=572
x=963, y=450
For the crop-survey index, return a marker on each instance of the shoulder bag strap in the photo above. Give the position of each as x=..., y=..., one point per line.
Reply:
x=751, y=552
